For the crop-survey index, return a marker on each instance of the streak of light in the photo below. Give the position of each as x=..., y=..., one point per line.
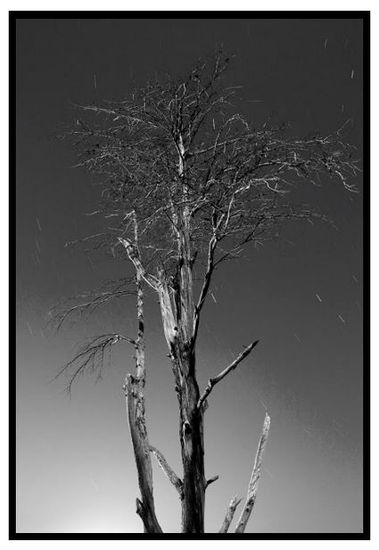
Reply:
x=91, y=263
x=352, y=73
x=263, y=405
x=342, y=319
x=318, y=298
x=37, y=245
x=325, y=43
x=214, y=299
x=29, y=328
x=297, y=338
x=92, y=213
x=355, y=278
x=342, y=108
x=94, y=81
x=38, y=224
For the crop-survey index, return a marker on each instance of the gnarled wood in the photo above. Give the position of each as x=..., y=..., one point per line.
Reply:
x=254, y=480
x=230, y=514
x=137, y=426
x=191, y=437
x=175, y=480
x=135, y=402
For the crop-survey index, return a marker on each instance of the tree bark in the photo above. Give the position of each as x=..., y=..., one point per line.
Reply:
x=183, y=360
x=171, y=475
x=229, y=514
x=192, y=446
x=136, y=418
x=135, y=402
x=254, y=480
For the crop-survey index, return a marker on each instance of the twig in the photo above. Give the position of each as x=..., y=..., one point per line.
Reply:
x=211, y=480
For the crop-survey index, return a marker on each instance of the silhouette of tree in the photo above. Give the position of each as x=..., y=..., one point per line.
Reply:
x=188, y=183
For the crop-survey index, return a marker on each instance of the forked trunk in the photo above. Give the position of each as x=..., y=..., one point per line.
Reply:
x=182, y=356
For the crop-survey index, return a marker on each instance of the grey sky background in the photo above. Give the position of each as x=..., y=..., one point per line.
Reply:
x=301, y=296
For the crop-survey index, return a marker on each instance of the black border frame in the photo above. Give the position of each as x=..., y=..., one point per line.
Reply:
x=362, y=15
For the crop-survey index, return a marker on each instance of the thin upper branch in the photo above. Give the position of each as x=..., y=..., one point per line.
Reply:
x=206, y=283
x=90, y=356
x=213, y=381
x=212, y=245
x=254, y=480
x=88, y=302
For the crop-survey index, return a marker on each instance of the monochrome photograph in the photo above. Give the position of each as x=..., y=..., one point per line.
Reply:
x=190, y=205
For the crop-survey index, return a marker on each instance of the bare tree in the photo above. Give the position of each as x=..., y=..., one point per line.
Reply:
x=188, y=183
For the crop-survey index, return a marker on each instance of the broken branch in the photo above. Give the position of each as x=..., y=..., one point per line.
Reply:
x=175, y=480
x=230, y=514
x=213, y=381
x=137, y=425
x=254, y=480
x=211, y=480
x=134, y=256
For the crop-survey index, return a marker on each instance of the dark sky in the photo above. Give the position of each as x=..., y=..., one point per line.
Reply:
x=301, y=296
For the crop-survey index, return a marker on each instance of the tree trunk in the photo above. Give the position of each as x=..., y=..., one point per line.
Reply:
x=192, y=447
x=177, y=309
x=135, y=403
x=182, y=356
x=137, y=425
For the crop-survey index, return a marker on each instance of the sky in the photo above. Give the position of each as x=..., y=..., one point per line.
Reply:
x=301, y=295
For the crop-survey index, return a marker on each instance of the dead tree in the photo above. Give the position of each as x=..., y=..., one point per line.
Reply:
x=188, y=183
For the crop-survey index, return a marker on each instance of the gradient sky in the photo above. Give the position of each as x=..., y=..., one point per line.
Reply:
x=301, y=296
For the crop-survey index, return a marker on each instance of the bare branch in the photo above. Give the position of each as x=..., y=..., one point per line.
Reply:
x=91, y=356
x=134, y=256
x=175, y=480
x=213, y=381
x=211, y=480
x=85, y=304
x=254, y=480
x=230, y=514
x=206, y=283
